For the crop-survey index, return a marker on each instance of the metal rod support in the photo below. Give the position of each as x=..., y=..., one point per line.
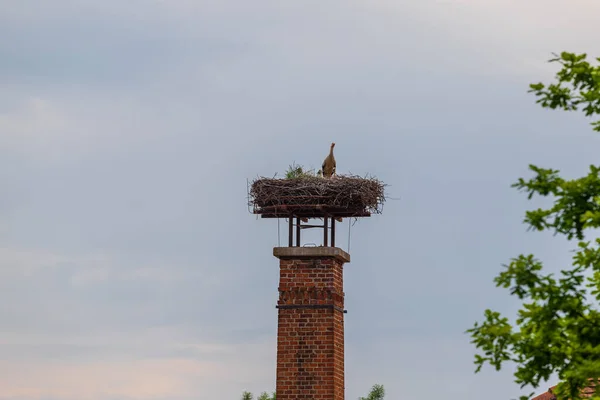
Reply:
x=332, y=232
x=297, y=232
x=306, y=226
x=325, y=229
x=291, y=231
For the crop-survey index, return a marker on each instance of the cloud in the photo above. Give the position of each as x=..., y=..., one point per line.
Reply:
x=36, y=125
x=127, y=132
x=65, y=333
x=49, y=130
x=65, y=294
x=156, y=363
x=270, y=44
x=140, y=379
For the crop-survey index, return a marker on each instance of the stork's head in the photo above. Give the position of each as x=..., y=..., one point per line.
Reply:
x=332, y=145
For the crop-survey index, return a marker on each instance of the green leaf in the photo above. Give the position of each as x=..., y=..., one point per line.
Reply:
x=557, y=327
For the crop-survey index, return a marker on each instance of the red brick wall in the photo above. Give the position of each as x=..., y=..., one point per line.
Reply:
x=549, y=395
x=310, y=340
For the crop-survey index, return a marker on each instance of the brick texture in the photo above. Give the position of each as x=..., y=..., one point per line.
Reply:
x=549, y=395
x=310, y=333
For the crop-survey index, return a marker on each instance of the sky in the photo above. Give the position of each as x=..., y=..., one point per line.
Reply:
x=130, y=267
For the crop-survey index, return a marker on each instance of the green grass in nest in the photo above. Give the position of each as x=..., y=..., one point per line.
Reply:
x=297, y=171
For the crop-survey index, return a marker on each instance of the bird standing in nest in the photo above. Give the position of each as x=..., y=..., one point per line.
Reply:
x=328, y=167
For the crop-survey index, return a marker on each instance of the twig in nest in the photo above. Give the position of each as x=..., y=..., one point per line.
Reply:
x=348, y=192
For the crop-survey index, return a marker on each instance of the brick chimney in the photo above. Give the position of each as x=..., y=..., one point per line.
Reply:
x=310, y=333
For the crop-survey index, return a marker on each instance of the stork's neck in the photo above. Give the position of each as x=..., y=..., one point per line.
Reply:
x=331, y=150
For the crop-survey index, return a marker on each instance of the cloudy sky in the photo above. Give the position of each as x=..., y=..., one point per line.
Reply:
x=130, y=267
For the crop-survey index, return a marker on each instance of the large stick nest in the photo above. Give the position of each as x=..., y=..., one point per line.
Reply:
x=350, y=193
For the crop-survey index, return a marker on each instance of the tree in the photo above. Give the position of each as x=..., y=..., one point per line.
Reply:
x=377, y=393
x=247, y=396
x=263, y=396
x=557, y=329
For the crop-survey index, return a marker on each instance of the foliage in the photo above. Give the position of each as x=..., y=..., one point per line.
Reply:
x=577, y=86
x=297, y=171
x=558, y=327
x=377, y=393
x=576, y=206
x=263, y=396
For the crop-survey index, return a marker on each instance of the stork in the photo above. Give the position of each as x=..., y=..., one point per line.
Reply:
x=328, y=167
